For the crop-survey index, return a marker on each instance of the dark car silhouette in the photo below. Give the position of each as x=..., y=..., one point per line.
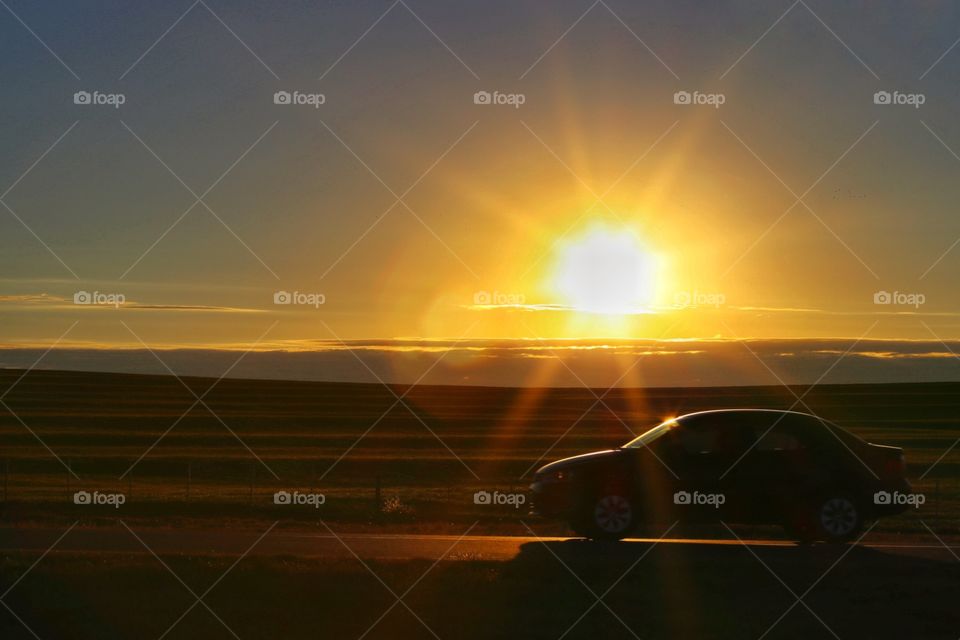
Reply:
x=817, y=480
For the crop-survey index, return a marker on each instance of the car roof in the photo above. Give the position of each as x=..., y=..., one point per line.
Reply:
x=741, y=412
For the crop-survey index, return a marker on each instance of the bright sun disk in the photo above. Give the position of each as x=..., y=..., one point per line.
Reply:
x=606, y=271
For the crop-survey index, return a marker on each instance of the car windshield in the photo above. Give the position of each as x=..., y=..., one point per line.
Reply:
x=647, y=438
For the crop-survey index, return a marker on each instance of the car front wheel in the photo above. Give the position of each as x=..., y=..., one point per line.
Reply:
x=609, y=517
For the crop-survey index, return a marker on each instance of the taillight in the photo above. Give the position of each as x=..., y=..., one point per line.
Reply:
x=895, y=467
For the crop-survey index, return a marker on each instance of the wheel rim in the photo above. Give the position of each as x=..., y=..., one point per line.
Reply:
x=838, y=516
x=613, y=514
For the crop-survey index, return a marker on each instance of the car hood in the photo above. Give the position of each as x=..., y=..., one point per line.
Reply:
x=575, y=461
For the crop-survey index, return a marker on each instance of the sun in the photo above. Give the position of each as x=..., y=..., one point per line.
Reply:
x=606, y=270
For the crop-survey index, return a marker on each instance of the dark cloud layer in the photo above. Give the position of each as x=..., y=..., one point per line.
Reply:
x=541, y=363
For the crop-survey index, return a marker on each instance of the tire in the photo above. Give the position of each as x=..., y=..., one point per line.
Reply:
x=609, y=516
x=838, y=518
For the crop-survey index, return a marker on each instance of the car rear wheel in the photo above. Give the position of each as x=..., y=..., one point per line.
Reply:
x=611, y=516
x=838, y=518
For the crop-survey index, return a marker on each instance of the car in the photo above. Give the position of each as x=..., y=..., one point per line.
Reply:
x=749, y=466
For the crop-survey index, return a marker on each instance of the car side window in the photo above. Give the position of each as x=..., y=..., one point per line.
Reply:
x=778, y=440
x=722, y=438
x=699, y=440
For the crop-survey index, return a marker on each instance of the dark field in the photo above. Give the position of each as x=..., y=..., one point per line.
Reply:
x=675, y=591
x=428, y=454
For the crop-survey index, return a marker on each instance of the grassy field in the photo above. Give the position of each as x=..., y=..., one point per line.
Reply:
x=428, y=454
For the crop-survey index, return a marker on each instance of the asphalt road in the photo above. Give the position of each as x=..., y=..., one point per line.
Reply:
x=328, y=544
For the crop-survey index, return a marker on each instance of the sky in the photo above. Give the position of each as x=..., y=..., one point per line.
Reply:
x=749, y=179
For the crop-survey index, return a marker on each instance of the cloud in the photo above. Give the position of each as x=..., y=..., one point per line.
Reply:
x=720, y=308
x=191, y=307
x=55, y=302
x=32, y=298
x=650, y=363
x=563, y=308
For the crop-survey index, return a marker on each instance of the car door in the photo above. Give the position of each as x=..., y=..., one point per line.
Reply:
x=706, y=445
x=771, y=478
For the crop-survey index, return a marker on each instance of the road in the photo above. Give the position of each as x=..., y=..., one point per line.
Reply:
x=328, y=544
